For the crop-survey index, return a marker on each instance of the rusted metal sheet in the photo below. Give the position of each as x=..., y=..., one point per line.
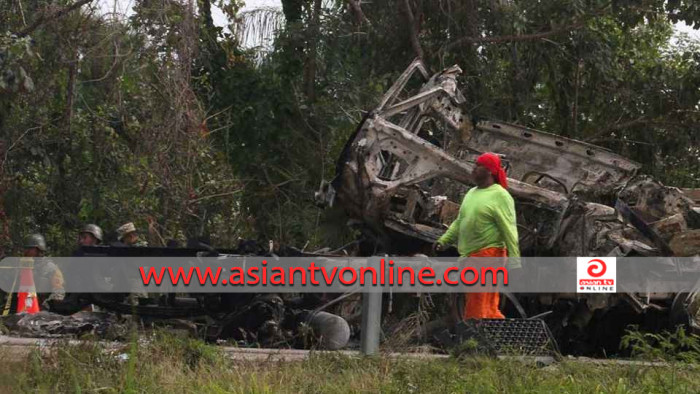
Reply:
x=686, y=244
x=670, y=226
x=693, y=194
x=448, y=212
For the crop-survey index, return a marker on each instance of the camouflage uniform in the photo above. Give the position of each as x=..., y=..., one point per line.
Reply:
x=128, y=228
x=122, y=231
x=46, y=272
x=48, y=275
x=95, y=230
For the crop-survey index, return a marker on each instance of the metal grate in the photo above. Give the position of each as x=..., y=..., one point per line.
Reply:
x=505, y=337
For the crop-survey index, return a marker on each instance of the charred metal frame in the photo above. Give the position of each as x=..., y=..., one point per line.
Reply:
x=387, y=158
x=393, y=178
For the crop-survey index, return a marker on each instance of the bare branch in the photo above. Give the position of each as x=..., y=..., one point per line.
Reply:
x=229, y=193
x=21, y=12
x=70, y=89
x=527, y=37
x=15, y=142
x=114, y=65
x=43, y=17
x=642, y=120
x=415, y=43
x=356, y=7
x=514, y=37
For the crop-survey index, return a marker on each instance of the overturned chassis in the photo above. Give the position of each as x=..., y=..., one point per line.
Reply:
x=403, y=173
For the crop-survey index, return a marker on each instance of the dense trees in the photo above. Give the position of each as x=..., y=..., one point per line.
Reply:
x=112, y=130
x=165, y=119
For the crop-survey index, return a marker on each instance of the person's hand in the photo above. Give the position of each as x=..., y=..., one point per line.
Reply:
x=438, y=247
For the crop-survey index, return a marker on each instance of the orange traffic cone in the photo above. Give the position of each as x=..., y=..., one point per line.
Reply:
x=27, y=300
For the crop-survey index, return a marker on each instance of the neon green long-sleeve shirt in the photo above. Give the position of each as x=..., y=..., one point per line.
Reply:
x=486, y=219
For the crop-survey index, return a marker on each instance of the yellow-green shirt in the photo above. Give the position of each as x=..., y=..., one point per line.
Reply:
x=486, y=219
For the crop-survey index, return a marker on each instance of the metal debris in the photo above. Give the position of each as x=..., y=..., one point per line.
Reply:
x=402, y=175
x=52, y=325
x=523, y=337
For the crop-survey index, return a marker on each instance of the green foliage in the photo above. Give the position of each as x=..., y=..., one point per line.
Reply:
x=470, y=347
x=114, y=133
x=167, y=364
x=616, y=81
x=163, y=119
x=14, y=53
x=665, y=346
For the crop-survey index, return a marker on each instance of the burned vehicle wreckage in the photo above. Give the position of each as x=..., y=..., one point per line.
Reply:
x=402, y=175
x=400, y=179
x=246, y=319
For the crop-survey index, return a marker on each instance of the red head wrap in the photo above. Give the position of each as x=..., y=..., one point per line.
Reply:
x=493, y=163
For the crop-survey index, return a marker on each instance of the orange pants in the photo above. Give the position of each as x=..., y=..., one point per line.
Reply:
x=483, y=305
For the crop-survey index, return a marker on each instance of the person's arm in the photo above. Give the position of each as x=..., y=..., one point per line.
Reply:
x=506, y=221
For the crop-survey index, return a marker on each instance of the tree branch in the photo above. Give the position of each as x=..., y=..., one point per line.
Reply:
x=70, y=91
x=21, y=12
x=215, y=195
x=618, y=126
x=43, y=17
x=413, y=30
x=527, y=37
x=514, y=37
x=642, y=120
x=360, y=16
x=310, y=65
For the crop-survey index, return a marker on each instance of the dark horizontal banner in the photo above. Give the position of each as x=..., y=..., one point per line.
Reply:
x=396, y=274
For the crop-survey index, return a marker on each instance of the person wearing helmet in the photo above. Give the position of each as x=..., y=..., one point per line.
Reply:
x=128, y=236
x=90, y=235
x=46, y=272
x=34, y=246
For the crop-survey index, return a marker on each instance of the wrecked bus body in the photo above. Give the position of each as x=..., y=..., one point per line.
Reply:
x=401, y=177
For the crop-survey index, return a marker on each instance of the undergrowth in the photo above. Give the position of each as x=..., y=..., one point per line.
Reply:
x=665, y=346
x=168, y=364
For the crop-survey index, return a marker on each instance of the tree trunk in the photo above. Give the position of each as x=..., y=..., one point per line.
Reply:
x=70, y=93
x=413, y=28
x=312, y=52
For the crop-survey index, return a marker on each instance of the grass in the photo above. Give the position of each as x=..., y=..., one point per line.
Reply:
x=666, y=346
x=169, y=364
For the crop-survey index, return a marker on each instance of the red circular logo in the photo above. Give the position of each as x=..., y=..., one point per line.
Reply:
x=597, y=269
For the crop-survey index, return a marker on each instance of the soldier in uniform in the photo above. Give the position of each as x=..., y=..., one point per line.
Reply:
x=128, y=236
x=90, y=235
x=46, y=272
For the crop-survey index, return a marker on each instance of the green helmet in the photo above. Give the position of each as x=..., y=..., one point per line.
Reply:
x=93, y=229
x=35, y=241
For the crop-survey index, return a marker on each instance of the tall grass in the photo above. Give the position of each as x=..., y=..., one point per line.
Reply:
x=167, y=364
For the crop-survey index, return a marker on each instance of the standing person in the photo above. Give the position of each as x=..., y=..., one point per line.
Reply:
x=128, y=235
x=90, y=235
x=485, y=227
x=46, y=272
